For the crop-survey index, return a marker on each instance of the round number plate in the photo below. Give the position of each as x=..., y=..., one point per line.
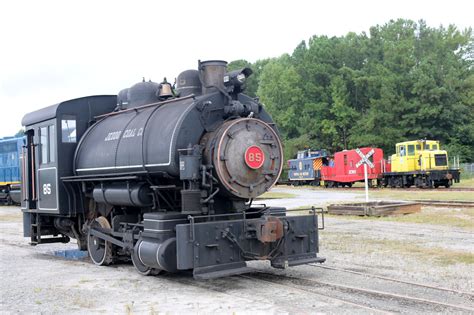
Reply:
x=254, y=157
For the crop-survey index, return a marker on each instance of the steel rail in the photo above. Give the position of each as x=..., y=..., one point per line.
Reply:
x=295, y=287
x=342, y=288
x=394, y=280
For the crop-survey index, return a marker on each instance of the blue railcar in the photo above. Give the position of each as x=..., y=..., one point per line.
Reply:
x=306, y=168
x=10, y=169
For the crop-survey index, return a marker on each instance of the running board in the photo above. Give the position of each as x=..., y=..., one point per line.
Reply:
x=218, y=271
x=281, y=263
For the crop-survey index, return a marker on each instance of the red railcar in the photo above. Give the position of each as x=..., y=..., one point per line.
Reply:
x=343, y=171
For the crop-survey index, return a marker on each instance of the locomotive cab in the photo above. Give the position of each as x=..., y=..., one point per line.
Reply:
x=52, y=135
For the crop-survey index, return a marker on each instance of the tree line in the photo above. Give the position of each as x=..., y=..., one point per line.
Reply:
x=402, y=81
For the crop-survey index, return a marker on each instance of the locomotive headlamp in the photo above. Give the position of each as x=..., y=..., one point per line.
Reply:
x=235, y=80
x=241, y=78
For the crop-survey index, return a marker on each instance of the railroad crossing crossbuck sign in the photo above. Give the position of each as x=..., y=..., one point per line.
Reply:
x=365, y=158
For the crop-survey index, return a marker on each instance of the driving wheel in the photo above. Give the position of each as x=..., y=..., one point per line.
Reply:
x=100, y=251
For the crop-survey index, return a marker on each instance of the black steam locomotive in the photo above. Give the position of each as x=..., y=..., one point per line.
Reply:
x=163, y=176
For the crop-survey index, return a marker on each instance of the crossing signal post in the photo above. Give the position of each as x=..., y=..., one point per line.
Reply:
x=364, y=159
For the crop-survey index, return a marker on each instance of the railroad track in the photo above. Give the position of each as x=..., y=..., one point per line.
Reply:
x=445, y=203
x=385, y=188
x=371, y=275
x=406, y=189
x=380, y=301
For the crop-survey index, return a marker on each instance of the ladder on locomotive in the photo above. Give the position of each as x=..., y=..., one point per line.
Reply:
x=35, y=229
x=35, y=232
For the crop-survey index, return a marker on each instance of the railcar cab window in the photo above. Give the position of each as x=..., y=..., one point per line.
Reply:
x=411, y=149
x=47, y=144
x=434, y=147
x=68, y=129
x=402, y=150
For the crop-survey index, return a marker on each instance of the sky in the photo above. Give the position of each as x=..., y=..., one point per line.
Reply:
x=52, y=51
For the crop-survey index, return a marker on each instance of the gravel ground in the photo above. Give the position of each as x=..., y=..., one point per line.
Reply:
x=36, y=281
x=307, y=197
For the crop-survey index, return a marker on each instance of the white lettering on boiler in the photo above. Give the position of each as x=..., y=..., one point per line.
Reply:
x=129, y=133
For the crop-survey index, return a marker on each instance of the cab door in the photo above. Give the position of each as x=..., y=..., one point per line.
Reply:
x=412, y=158
x=47, y=172
x=401, y=159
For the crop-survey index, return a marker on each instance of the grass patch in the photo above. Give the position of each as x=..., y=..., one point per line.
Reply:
x=441, y=194
x=347, y=242
x=465, y=182
x=401, y=194
x=275, y=195
x=453, y=217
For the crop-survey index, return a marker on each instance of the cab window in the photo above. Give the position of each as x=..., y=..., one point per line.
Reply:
x=402, y=150
x=434, y=147
x=47, y=144
x=68, y=129
x=418, y=147
x=411, y=149
x=427, y=146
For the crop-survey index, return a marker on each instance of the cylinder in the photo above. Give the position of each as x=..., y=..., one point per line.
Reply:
x=212, y=73
x=159, y=255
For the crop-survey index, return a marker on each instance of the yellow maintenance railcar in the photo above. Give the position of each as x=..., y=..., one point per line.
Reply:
x=421, y=163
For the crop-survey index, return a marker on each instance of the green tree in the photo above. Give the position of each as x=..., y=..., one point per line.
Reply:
x=402, y=81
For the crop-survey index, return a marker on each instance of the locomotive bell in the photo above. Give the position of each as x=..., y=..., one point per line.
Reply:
x=165, y=91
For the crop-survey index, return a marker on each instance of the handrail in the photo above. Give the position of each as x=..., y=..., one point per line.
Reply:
x=144, y=106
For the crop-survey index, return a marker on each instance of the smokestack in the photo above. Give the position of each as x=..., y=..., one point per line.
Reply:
x=212, y=74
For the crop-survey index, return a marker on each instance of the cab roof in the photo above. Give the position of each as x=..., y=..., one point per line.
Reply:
x=53, y=110
x=418, y=141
